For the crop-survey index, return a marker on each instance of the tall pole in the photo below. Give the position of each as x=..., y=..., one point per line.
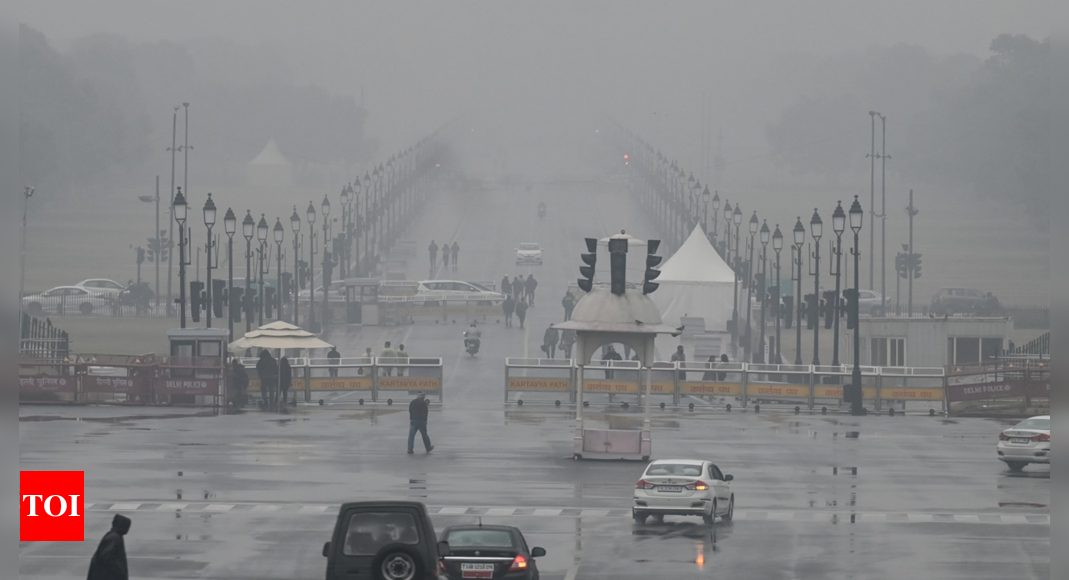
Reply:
x=170, y=220
x=872, y=201
x=817, y=228
x=27, y=193
x=182, y=275
x=248, y=280
x=856, y=405
x=209, y=251
x=230, y=285
x=883, y=212
x=260, y=257
x=912, y=211
x=838, y=292
x=778, y=352
x=761, y=289
x=159, y=245
x=747, y=347
x=798, y=305
x=278, y=280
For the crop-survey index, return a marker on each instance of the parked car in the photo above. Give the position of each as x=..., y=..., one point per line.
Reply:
x=477, y=551
x=63, y=300
x=335, y=292
x=430, y=290
x=1026, y=442
x=964, y=301
x=683, y=487
x=872, y=303
x=102, y=286
x=376, y=540
x=528, y=253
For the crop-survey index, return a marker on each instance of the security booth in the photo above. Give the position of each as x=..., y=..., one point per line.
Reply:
x=362, y=301
x=195, y=371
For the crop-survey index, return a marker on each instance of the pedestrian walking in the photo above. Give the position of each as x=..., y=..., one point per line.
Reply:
x=387, y=352
x=610, y=355
x=456, y=254
x=567, y=341
x=711, y=375
x=568, y=302
x=334, y=358
x=433, y=250
x=521, y=311
x=724, y=359
x=505, y=287
x=549, y=341
x=239, y=384
x=445, y=255
x=267, y=372
x=517, y=287
x=403, y=354
x=680, y=356
x=530, y=286
x=285, y=379
x=509, y=306
x=368, y=355
x=109, y=560
x=418, y=410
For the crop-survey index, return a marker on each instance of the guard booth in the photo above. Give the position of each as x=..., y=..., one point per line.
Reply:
x=195, y=372
x=362, y=301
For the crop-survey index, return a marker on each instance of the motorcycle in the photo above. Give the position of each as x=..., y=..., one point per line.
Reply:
x=471, y=344
x=541, y=213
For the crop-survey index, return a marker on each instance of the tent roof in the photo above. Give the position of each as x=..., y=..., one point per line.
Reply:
x=696, y=261
x=270, y=156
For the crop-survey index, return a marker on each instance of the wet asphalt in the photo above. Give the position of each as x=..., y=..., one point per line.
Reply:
x=253, y=495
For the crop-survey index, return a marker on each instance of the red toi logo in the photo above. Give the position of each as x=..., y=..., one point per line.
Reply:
x=52, y=506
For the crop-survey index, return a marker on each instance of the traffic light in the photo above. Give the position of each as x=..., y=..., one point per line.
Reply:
x=269, y=301
x=652, y=261
x=916, y=266
x=788, y=310
x=850, y=304
x=902, y=264
x=235, y=303
x=196, y=299
x=810, y=311
x=287, y=286
x=590, y=259
x=250, y=304
x=830, y=308
x=218, y=297
x=140, y=255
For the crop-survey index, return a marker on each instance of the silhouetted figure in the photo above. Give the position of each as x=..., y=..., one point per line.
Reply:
x=521, y=311
x=109, y=561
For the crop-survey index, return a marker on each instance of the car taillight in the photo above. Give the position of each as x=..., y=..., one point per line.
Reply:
x=1003, y=437
x=1041, y=437
x=643, y=484
x=697, y=486
x=518, y=563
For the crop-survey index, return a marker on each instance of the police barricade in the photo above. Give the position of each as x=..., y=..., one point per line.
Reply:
x=611, y=377
x=778, y=383
x=42, y=381
x=117, y=378
x=711, y=379
x=334, y=375
x=466, y=307
x=407, y=375
x=828, y=381
x=903, y=384
x=540, y=375
x=189, y=381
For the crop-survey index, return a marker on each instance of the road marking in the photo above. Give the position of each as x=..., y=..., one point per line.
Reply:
x=572, y=572
x=218, y=507
x=171, y=507
x=128, y=507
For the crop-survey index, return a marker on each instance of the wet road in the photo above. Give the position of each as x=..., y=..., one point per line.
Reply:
x=253, y=495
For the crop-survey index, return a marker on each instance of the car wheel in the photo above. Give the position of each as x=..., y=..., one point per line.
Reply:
x=639, y=517
x=1015, y=465
x=36, y=308
x=659, y=518
x=85, y=308
x=710, y=517
x=398, y=562
x=731, y=511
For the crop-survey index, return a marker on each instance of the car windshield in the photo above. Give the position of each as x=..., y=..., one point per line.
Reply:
x=370, y=531
x=529, y=246
x=684, y=469
x=479, y=538
x=1035, y=424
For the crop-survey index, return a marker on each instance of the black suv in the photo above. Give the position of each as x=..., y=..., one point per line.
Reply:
x=383, y=540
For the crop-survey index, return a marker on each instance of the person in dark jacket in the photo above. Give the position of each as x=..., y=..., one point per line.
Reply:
x=506, y=287
x=521, y=310
x=680, y=356
x=445, y=255
x=333, y=357
x=567, y=341
x=509, y=306
x=456, y=254
x=517, y=287
x=611, y=355
x=433, y=251
x=109, y=561
x=568, y=302
x=549, y=341
x=530, y=286
x=239, y=382
x=267, y=371
x=418, y=410
x=723, y=376
x=285, y=378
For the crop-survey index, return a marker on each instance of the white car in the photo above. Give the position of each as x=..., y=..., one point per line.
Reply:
x=336, y=292
x=1026, y=442
x=872, y=303
x=529, y=253
x=102, y=286
x=683, y=487
x=429, y=289
x=65, y=300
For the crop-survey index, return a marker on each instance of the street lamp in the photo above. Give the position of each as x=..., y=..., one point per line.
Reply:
x=716, y=212
x=796, y=263
x=838, y=225
x=725, y=248
x=816, y=229
x=343, y=262
x=856, y=216
x=367, y=221
x=209, y=222
x=248, y=227
x=261, y=236
x=230, y=226
x=736, y=219
x=777, y=245
x=765, y=234
x=180, y=209
x=310, y=214
x=354, y=222
x=295, y=227
x=326, y=257
x=748, y=347
x=279, y=233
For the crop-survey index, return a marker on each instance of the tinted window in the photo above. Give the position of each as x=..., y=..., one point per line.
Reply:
x=528, y=247
x=688, y=470
x=1037, y=424
x=715, y=473
x=479, y=538
x=370, y=531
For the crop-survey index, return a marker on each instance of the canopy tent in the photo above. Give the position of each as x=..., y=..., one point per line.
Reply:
x=696, y=282
x=270, y=168
x=279, y=336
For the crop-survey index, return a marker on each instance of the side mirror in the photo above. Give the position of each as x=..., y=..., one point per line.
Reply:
x=326, y=549
x=729, y=477
x=443, y=549
x=538, y=552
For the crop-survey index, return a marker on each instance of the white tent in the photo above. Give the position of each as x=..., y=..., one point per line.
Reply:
x=696, y=283
x=270, y=168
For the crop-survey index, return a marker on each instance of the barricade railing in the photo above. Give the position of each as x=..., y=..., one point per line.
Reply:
x=409, y=309
x=375, y=375
x=540, y=375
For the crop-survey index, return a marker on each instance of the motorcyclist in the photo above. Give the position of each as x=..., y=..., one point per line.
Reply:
x=472, y=337
x=541, y=208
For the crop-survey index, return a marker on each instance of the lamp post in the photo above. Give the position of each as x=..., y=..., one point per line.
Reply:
x=326, y=257
x=838, y=225
x=367, y=222
x=856, y=217
x=777, y=245
x=716, y=212
x=230, y=226
x=279, y=233
x=344, y=258
x=765, y=234
x=295, y=227
x=796, y=262
x=209, y=221
x=725, y=247
x=356, y=223
x=248, y=227
x=310, y=213
x=816, y=229
x=180, y=209
x=747, y=348
x=736, y=219
x=261, y=236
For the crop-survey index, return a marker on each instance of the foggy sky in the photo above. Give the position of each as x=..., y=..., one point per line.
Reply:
x=646, y=63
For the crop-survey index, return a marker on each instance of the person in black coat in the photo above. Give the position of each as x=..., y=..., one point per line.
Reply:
x=267, y=371
x=509, y=306
x=239, y=384
x=285, y=378
x=334, y=358
x=418, y=410
x=521, y=310
x=506, y=286
x=568, y=302
x=530, y=286
x=109, y=561
x=517, y=287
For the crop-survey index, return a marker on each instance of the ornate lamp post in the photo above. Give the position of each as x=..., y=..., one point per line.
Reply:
x=326, y=257
x=295, y=227
x=180, y=209
x=209, y=222
x=816, y=229
x=311, y=216
x=248, y=227
x=748, y=346
x=344, y=258
x=765, y=234
x=838, y=225
x=736, y=219
x=367, y=223
x=261, y=236
x=355, y=222
x=716, y=212
x=279, y=233
x=777, y=245
x=796, y=262
x=230, y=226
x=856, y=217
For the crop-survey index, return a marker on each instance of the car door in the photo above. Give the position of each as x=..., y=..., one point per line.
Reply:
x=723, y=490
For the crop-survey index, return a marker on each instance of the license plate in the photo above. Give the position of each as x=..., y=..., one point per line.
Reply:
x=669, y=488
x=477, y=570
x=1020, y=440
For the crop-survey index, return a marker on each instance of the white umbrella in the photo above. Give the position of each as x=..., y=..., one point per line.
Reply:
x=280, y=336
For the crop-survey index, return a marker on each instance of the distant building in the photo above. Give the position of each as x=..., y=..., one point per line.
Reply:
x=270, y=168
x=930, y=342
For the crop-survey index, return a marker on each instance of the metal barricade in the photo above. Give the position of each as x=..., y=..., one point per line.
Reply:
x=199, y=381
x=828, y=382
x=332, y=375
x=540, y=375
x=46, y=381
x=720, y=379
x=400, y=374
x=786, y=382
x=903, y=384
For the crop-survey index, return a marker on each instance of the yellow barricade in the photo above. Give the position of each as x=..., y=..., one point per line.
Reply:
x=832, y=392
x=410, y=384
x=341, y=383
x=911, y=393
x=538, y=384
x=700, y=388
x=660, y=388
x=766, y=390
x=608, y=386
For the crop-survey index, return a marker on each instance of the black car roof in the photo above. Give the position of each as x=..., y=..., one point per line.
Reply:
x=478, y=527
x=385, y=504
